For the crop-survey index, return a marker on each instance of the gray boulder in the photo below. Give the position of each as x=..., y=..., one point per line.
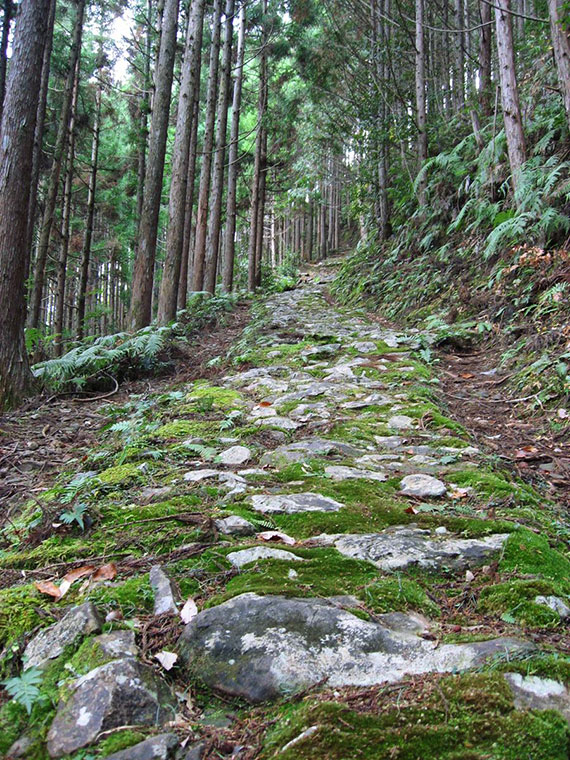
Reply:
x=556, y=604
x=117, y=644
x=294, y=502
x=539, y=693
x=121, y=693
x=160, y=747
x=400, y=547
x=256, y=553
x=262, y=648
x=48, y=644
x=235, y=455
x=423, y=486
x=234, y=525
x=308, y=448
x=164, y=591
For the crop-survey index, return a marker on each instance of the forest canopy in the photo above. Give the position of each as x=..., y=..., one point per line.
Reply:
x=182, y=147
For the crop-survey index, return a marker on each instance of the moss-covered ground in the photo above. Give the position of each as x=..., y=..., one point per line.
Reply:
x=132, y=505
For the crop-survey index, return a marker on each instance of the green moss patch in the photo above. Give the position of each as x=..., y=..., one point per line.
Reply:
x=120, y=475
x=204, y=397
x=324, y=573
x=456, y=718
x=133, y=595
x=20, y=612
x=515, y=599
x=529, y=553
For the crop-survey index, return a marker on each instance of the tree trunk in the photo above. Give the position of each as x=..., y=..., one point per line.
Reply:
x=143, y=272
x=231, y=216
x=144, y=108
x=254, y=255
x=86, y=251
x=421, y=99
x=262, y=197
x=168, y=298
x=459, y=69
x=53, y=183
x=509, y=90
x=215, y=220
x=16, y=147
x=485, y=58
x=561, y=47
x=39, y=136
x=66, y=219
x=187, y=260
x=6, y=21
x=205, y=174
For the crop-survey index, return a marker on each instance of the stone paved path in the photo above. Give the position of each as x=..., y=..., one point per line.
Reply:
x=358, y=542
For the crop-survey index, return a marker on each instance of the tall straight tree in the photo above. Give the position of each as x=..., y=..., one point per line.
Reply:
x=39, y=135
x=485, y=57
x=215, y=216
x=53, y=180
x=516, y=147
x=560, y=34
x=231, y=215
x=421, y=121
x=88, y=237
x=6, y=21
x=180, y=158
x=205, y=178
x=186, y=263
x=16, y=147
x=258, y=189
x=66, y=219
x=140, y=313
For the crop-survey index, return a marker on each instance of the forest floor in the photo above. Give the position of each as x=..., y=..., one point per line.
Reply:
x=351, y=553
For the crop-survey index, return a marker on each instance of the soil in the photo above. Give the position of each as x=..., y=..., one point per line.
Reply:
x=520, y=434
x=43, y=436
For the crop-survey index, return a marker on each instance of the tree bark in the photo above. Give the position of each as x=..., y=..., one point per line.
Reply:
x=168, y=298
x=485, y=58
x=231, y=215
x=215, y=220
x=53, y=183
x=143, y=273
x=144, y=108
x=187, y=260
x=561, y=47
x=66, y=219
x=205, y=174
x=16, y=147
x=459, y=72
x=86, y=250
x=254, y=256
x=509, y=91
x=39, y=136
x=6, y=21
x=262, y=197
x=422, y=144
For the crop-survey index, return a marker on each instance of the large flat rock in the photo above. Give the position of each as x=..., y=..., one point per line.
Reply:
x=294, y=502
x=308, y=448
x=257, y=553
x=262, y=648
x=401, y=547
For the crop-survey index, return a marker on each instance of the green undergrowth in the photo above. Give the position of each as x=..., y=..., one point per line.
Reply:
x=324, y=573
x=528, y=553
x=514, y=601
x=124, y=355
x=465, y=717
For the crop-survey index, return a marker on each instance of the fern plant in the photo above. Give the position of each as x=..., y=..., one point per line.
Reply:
x=24, y=689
